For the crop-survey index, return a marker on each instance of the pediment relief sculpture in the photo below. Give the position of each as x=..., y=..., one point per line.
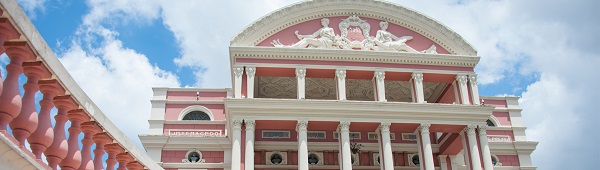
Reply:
x=354, y=35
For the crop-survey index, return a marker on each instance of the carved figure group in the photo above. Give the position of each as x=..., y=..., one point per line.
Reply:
x=383, y=41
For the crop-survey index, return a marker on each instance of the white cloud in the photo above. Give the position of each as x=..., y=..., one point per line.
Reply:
x=32, y=7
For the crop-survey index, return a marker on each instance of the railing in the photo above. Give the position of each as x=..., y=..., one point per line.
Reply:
x=30, y=55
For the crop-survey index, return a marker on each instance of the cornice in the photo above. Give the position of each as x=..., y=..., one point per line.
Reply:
x=315, y=9
x=355, y=111
x=192, y=101
x=353, y=56
x=196, y=165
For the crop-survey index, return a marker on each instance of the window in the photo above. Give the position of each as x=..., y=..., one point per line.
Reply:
x=409, y=136
x=316, y=135
x=193, y=157
x=276, y=159
x=496, y=161
x=272, y=134
x=313, y=159
x=196, y=115
x=375, y=136
x=490, y=123
x=353, y=135
x=415, y=160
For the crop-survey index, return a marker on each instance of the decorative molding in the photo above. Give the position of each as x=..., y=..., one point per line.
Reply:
x=417, y=77
x=320, y=88
x=470, y=129
x=250, y=124
x=250, y=71
x=291, y=15
x=195, y=108
x=385, y=126
x=186, y=159
x=300, y=73
x=238, y=71
x=319, y=157
x=359, y=89
x=340, y=74
x=473, y=78
x=424, y=128
x=482, y=130
x=276, y=87
x=462, y=79
x=301, y=125
x=237, y=123
x=380, y=75
x=344, y=125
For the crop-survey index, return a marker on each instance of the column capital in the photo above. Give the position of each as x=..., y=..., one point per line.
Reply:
x=417, y=76
x=300, y=73
x=470, y=129
x=385, y=126
x=238, y=71
x=237, y=123
x=340, y=74
x=424, y=128
x=380, y=75
x=250, y=124
x=250, y=71
x=344, y=125
x=301, y=125
x=473, y=78
x=461, y=78
x=482, y=129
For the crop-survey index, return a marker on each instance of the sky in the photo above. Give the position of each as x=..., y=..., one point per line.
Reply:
x=545, y=51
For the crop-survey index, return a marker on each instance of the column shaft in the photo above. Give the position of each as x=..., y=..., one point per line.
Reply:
x=236, y=151
x=301, y=127
x=249, y=159
x=485, y=148
x=301, y=76
x=417, y=79
x=474, y=150
x=238, y=71
x=427, y=151
x=462, y=88
x=341, y=84
x=474, y=89
x=250, y=71
x=346, y=153
x=380, y=85
x=387, y=157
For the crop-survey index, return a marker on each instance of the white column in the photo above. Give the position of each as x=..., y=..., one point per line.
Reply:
x=341, y=84
x=250, y=81
x=418, y=86
x=427, y=151
x=419, y=150
x=238, y=71
x=454, y=162
x=249, y=159
x=236, y=151
x=485, y=148
x=301, y=75
x=474, y=89
x=443, y=163
x=387, y=157
x=462, y=88
x=346, y=153
x=465, y=150
x=301, y=127
x=380, y=83
x=474, y=150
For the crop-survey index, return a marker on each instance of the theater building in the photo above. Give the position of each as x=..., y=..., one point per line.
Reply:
x=334, y=84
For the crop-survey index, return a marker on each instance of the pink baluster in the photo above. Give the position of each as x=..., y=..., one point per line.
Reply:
x=89, y=129
x=112, y=150
x=43, y=136
x=100, y=139
x=10, y=100
x=27, y=121
x=7, y=32
x=135, y=165
x=58, y=150
x=73, y=159
x=123, y=159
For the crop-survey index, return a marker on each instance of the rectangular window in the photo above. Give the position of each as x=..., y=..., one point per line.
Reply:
x=409, y=136
x=353, y=135
x=316, y=135
x=375, y=135
x=275, y=134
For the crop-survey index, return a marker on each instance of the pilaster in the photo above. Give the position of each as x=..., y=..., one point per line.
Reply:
x=417, y=82
x=301, y=77
x=461, y=79
x=386, y=158
x=380, y=85
x=474, y=89
x=474, y=150
x=236, y=151
x=250, y=71
x=485, y=148
x=249, y=156
x=238, y=71
x=427, y=150
x=301, y=127
x=344, y=128
x=341, y=84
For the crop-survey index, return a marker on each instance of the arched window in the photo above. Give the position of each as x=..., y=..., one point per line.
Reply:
x=196, y=115
x=490, y=123
x=313, y=159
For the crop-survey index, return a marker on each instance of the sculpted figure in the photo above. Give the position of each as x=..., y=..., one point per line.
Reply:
x=322, y=38
x=388, y=41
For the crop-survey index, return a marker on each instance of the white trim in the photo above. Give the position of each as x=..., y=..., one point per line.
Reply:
x=195, y=108
x=375, y=162
x=498, y=163
x=283, y=157
x=495, y=121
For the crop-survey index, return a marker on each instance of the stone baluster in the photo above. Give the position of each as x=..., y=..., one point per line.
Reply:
x=73, y=159
x=112, y=150
x=27, y=121
x=58, y=150
x=89, y=129
x=43, y=136
x=7, y=32
x=100, y=139
x=123, y=159
x=10, y=100
x=134, y=165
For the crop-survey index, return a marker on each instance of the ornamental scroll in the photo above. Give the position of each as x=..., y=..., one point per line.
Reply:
x=354, y=35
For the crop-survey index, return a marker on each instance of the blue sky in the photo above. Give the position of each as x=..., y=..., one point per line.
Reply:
x=544, y=51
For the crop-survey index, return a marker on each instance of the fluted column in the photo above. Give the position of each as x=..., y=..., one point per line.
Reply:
x=380, y=84
x=89, y=129
x=100, y=139
x=58, y=150
x=73, y=159
x=346, y=153
x=474, y=89
x=417, y=82
x=238, y=71
x=249, y=159
x=236, y=151
x=341, y=84
x=43, y=136
x=485, y=148
x=427, y=151
x=300, y=76
x=301, y=127
x=27, y=121
x=10, y=100
x=474, y=150
x=112, y=150
x=387, y=158
x=462, y=88
x=123, y=159
x=250, y=71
